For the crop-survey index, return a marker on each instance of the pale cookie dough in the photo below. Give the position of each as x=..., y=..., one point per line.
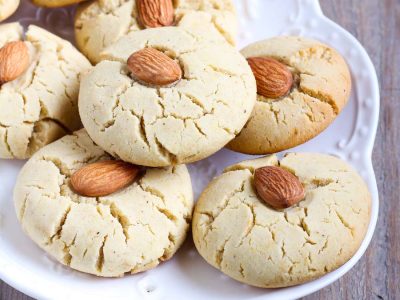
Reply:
x=55, y=3
x=7, y=8
x=132, y=230
x=240, y=235
x=41, y=105
x=167, y=126
x=99, y=24
x=321, y=90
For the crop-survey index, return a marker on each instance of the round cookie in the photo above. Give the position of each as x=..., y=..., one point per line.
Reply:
x=131, y=230
x=321, y=89
x=240, y=235
x=99, y=24
x=39, y=106
x=161, y=126
x=7, y=8
x=55, y=3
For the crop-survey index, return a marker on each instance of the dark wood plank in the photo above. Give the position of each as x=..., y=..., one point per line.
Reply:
x=8, y=293
x=377, y=25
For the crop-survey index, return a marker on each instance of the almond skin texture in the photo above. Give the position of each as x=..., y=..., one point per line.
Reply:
x=273, y=78
x=155, y=13
x=278, y=187
x=153, y=67
x=14, y=60
x=103, y=178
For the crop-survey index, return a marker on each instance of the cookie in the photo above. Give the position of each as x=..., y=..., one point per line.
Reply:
x=40, y=105
x=99, y=24
x=55, y=3
x=7, y=8
x=181, y=123
x=321, y=88
x=131, y=230
x=246, y=239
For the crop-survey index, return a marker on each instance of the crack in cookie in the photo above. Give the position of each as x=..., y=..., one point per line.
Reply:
x=236, y=232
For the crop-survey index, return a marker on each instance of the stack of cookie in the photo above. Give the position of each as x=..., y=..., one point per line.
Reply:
x=168, y=88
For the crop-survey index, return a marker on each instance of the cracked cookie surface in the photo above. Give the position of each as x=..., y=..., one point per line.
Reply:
x=132, y=230
x=321, y=89
x=183, y=123
x=240, y=235
x=41, y=105
x=7, y=8
x=99, y=24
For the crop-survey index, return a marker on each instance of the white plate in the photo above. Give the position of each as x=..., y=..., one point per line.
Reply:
x=351, y=137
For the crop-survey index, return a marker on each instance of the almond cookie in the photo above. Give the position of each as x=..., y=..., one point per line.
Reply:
x=7, y=8
x=302, y=86
x=238, y=233
x=99, y=24
x=39, y=84
x=55, y=3
x=164, y=96
x=130, y=230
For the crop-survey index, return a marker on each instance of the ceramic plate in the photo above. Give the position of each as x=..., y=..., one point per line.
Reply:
x=187, y=276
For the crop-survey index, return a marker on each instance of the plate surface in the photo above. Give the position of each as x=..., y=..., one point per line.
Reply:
x=27, y=268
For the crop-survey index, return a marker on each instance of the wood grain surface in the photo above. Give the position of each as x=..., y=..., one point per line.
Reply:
x=376, y=24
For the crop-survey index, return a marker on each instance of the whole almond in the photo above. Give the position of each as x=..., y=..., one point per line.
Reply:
x=273, y=78
x=103, y=178
x=14, y=60
x=154, y=67
x=278, y=187
x=155, y=13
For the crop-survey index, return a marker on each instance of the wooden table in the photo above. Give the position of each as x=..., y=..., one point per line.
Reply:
x=376, y=24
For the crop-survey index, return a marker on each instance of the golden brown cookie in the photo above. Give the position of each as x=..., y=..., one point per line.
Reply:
x=282, y=118
x=160, y=125
x=55, y=3
x=98, y=24
x=238, y=233
x=130, y=230
x=40, y=104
